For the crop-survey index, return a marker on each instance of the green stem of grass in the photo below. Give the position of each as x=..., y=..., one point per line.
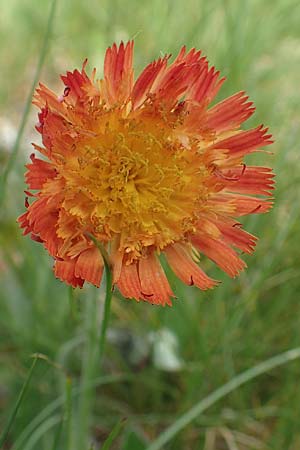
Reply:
x=68, y=413
x=221, y=392
x=113, y=435
x=15, y=149
x=14, y=412
x=57, y=435
x=89, y=363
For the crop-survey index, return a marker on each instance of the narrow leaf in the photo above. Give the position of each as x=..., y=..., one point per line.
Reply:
x=16, y=408
x=211, y=399
x=113, y=434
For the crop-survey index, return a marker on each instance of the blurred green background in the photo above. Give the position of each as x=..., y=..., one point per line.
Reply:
x=158, y=362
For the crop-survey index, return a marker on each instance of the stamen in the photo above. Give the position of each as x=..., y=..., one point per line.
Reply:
x=147, y=295
x=219, y=174
x=237, y=225
x=29, y=194
x=255, y=209
x=66, y=91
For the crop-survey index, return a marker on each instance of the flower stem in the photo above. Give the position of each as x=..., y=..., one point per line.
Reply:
x=94, y=350
x=108, y=293
x=106, y=313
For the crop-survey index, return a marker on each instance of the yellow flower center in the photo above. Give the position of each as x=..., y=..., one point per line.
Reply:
x=131, y=178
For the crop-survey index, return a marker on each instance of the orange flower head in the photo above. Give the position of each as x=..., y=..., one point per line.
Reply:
x=146, y=167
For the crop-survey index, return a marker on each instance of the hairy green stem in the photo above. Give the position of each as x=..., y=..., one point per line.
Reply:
x=95, y=345
x=108, y=293
x=106, y=313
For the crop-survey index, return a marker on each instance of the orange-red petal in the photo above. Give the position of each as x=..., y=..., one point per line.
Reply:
x=229, y=113
x=143, y=84
x=251, y=180
x=244, y=142
x=118, y=73
x=220, y=253
x=233, y=234
x=154, y=283
x=65, y=271
x=206, y=86
x=39, y=172
x=129, y=283
x=116, y=257
x=179, y=78
x=182, y=264
x=76, y=83
x=248, y=205
x=89, y=266
x=24, y=223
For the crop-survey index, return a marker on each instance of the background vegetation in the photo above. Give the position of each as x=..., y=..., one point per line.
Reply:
x=159, y=362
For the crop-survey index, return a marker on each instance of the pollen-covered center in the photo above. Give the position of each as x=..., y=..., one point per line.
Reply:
x=131, y=179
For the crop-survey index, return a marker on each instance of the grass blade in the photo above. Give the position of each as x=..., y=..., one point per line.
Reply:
x=56, y=404
x=68, y=413
x=113, y=434
x=50, y=423
x=39, y=66
x=211, y=399
x=57, y=435
x=14, y=412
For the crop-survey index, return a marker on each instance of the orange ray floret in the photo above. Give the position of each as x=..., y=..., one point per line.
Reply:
x=230, y=113
x=129, y=282
x=181, y=262
x=154, y=283
x=146, y=167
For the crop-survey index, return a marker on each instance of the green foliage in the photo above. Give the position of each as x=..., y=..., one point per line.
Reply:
x=16, y=408
x=221, y=333
x=113, y=435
